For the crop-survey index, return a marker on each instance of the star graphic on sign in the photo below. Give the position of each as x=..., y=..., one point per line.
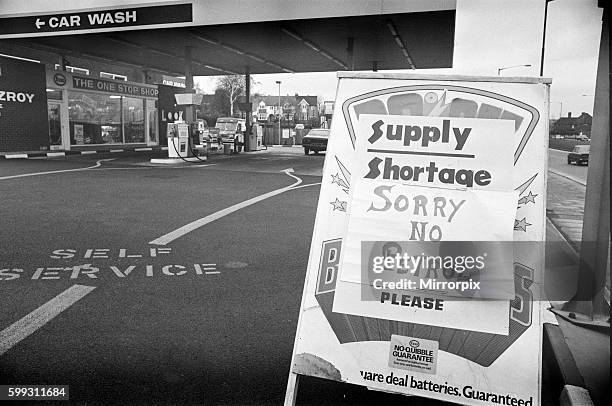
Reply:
x=526, y=199
x=521, y=224
x=337, y=179
x=338, y=205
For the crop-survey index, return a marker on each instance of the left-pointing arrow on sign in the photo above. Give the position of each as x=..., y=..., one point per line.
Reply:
x=39, y=22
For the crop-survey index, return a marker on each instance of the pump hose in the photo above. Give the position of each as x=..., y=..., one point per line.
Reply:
x=194, y=153
x=190, y=148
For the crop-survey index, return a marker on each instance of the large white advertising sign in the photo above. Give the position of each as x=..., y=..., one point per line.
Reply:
x=424, y=167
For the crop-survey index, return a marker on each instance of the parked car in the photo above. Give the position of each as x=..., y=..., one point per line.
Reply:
x=579, y=155
x=582, y=137
x=315, y=140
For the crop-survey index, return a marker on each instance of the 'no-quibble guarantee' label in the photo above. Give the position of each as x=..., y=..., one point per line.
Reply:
x=413, y=354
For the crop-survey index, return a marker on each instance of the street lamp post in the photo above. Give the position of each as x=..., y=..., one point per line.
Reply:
x=560, y=108
x=278, y=82
x=510, y=67
x=544, y=38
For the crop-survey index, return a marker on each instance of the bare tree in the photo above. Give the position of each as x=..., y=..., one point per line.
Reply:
x=233, y=85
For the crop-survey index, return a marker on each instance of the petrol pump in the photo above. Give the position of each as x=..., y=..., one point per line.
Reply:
x=184, y=135
x=178, y=140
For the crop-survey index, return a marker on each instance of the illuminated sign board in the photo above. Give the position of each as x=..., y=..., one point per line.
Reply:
x=23, y=106
x=125, y=88
x=98, y=19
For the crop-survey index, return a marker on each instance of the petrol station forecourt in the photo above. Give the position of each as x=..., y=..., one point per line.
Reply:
x=152, y=257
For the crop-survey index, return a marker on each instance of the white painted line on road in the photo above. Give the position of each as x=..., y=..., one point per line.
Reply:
x=570, y=177
x=212, y=273
x=116, y=150
x=310, y=184
x=559, y=150
x=290, y=173
x=210, y=267
x=27, y=325
x=143, y=149
x=88, y=152
x=52, y=154
x=194, y=225
x=25, y=175
x=190, y=166
x=151, y=167
x=15, y=156
x=115, y=169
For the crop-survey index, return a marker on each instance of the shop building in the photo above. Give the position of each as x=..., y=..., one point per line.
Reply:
x=43, y=107
x=94, y=112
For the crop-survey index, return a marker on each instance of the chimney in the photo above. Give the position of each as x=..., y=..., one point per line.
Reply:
x=569, y=114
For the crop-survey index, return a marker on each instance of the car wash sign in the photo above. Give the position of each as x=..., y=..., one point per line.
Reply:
x=97, y=20
x=425, y=271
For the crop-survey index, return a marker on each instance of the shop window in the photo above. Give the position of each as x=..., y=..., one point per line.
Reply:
x=55, y=127
x=94, y=118
x=133, y=119
x=153, y=126
x=105, y=119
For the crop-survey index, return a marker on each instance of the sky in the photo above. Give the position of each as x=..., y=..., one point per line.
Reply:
x=487, y=39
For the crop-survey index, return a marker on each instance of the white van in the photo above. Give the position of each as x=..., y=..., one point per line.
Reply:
x=229, y=129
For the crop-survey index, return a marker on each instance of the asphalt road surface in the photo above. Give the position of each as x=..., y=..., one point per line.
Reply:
x=557, y=161
x=141, y=284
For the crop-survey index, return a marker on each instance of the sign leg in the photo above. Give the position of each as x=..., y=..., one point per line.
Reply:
x=292, y=388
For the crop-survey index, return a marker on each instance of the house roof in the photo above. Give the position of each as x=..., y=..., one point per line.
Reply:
x=581, y=119
x=292, y=100
x=311, y=100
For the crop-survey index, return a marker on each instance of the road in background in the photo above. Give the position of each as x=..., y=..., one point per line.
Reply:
x=557, y=162
x=565, y=210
